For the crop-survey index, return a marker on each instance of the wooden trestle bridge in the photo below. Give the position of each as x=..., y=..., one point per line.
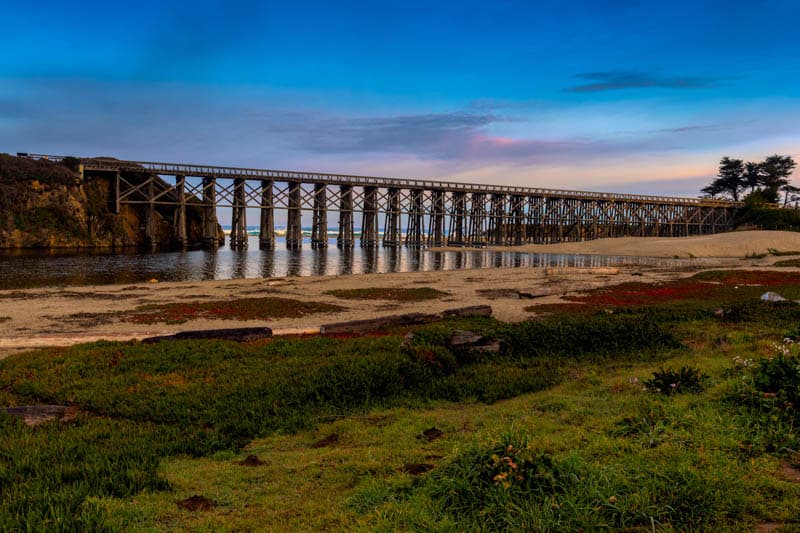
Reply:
x=393, y=212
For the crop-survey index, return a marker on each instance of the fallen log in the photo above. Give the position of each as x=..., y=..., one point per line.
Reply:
x=231, y=334
x=410, y=319
x=472, y=310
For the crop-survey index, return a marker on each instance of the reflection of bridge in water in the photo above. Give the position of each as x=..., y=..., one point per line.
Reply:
x=411, y=212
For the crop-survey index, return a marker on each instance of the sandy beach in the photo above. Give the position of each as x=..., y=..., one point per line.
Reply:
x=68, y=315
x=735, y=244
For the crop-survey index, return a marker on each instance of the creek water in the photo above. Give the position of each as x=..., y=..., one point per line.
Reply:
x=30, y=269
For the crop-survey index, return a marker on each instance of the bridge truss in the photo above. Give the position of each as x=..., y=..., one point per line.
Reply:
x=393, y=212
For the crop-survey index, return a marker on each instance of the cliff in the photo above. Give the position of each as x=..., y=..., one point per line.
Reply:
x=44, y=204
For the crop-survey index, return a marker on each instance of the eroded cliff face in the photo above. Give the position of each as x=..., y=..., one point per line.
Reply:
x=47, y=205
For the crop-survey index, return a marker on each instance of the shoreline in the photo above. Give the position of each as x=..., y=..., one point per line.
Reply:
x=34, y=318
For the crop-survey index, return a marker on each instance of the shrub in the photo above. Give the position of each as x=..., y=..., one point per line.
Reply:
x=685, y=379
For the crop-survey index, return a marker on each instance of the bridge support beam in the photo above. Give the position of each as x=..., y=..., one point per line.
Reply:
x=294, y=226
x=116, y=193
x=319, y=227
x=238, y=238
x=210, y=236
x=436, y=224
x=416, y=220
x=266, y=233
x=392, y=220
x=179, y=224
x=455, y=234
x=150, y=238
x=369, y=218
x=476, y=236
x=346, y=237
x=497, y=227
x=517, y=212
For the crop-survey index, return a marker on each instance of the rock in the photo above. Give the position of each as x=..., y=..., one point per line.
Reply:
x=538, y=294
x=33, y=415
x=465, y=339
x=473, y=310
x=772, y=297
x=431, y=434
x=197, y=503
x=251, y=460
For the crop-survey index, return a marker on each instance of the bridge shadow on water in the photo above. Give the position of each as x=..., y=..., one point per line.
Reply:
x=43, y=269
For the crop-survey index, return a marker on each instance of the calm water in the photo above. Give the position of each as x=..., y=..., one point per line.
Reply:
x=48, y=269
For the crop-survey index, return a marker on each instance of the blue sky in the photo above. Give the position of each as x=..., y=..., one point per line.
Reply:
x=617, y=95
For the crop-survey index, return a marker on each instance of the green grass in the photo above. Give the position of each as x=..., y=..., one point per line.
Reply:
x=241, y=309
x=398, y=294
x=589, y=448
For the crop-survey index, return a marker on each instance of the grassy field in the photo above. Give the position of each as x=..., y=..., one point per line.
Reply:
x=565, y=428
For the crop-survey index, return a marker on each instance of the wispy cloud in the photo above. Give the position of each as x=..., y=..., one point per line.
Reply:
x=620, y=80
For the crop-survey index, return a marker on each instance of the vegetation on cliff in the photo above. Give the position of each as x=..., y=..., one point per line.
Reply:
x=46, y=204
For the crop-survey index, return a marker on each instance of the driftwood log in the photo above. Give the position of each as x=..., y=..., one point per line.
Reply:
x=232, y=334
x=410, y=319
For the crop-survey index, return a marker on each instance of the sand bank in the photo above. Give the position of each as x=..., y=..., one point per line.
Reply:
x=734, y=244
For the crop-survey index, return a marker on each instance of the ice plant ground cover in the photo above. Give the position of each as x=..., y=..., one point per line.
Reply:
x=557, y=431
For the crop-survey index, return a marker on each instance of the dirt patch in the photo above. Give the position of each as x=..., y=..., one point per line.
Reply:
x=240, y=309
x=431, y=434
x=396, y=294
x=197, y=503
x=766, y=527
x=789, y=473
x=416, y=469
x=85, y=320
x=17, y=295
x=33, y=415
x=330, y=440
x=251, y=460
x=77, y=295
x=494, y=294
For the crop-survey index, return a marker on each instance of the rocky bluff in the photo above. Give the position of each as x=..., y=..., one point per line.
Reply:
x=46, y=204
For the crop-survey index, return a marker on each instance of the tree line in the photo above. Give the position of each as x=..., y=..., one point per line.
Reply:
x=759, y=182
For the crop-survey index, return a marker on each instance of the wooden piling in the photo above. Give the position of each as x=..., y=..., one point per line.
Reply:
x=455, y=234
x=266, y=232
x=436, y=224
x=319, y=228
x=416, y=220
x=179, y=224
x=210, y=236
x=238, y=238
x=392, y=220
x=345, y=239
x=369, y=218
x=294, y=227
